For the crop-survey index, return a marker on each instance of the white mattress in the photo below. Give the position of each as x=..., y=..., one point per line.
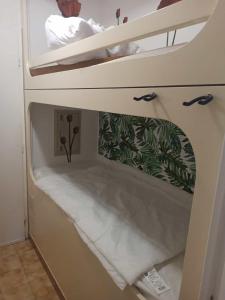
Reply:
x=129, y=220
x=171, y=273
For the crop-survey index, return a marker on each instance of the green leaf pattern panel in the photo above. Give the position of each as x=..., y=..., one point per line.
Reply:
x=157, y=147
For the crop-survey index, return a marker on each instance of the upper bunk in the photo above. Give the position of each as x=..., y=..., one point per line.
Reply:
x=195, y=59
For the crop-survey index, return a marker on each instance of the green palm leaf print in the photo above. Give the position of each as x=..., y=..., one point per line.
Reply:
x=157, y=147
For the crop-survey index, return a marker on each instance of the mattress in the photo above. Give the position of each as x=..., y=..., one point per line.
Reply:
x=171, y=274
x=131, y=221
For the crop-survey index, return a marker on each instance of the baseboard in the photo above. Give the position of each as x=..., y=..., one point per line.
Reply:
x=12, y=242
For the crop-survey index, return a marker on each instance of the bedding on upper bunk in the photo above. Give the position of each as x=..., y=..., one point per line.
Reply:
x=131, y=221
x=62, y=31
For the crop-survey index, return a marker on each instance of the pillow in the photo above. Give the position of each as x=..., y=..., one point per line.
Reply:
x=124, y=49
x=62, y=31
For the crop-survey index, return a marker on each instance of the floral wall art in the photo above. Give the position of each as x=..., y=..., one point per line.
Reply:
x=157, y=147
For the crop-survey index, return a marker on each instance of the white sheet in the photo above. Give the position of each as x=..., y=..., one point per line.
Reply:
x=134, y=224
x=117, y=278
x=171, y=273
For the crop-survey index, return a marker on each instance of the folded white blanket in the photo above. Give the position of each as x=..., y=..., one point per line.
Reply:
x=62, y=31
x=117, y=278
x=134, y=224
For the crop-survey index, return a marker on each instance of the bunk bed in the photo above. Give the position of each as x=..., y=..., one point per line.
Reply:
x=184, y=84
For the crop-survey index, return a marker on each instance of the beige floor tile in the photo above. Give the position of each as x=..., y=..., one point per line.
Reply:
x=22, y=276
x=51, y=296
x=32, y=265
x=1, y=296
x=7, y=251
x=30, y=256
x=41, y=287
x=34, y=270
x=23, y=247
x=12, y=279
x=9, y=263
x=22, y=292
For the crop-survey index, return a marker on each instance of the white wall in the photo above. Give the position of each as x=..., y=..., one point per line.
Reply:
x=42, y=117
x=129, y=8
x=134, y=9
x=12, y=182
x=40, y=10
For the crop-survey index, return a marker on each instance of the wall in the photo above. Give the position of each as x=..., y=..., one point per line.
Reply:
x=12, y=181
x=43, y=136
x=134, y=9
x=40, y=10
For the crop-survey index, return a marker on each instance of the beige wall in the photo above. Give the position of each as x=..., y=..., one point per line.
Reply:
x=40, y=10
x=42, y=117
x=12, y=192
x=134, y=9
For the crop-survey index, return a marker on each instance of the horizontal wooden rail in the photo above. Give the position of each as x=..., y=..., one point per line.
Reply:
x=79, y=65
x=93, y=62
x=181, y=14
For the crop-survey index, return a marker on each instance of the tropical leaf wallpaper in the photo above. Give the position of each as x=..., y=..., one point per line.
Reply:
x=157, y=147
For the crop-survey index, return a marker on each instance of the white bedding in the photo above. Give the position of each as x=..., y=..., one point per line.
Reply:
x=134, y=221
x=62, y=31
x=171, y=273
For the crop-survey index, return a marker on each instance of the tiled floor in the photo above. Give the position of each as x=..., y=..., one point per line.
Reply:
x=22, y=276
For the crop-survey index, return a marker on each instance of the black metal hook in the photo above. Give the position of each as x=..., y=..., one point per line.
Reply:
x=202, y=100
x=146, y=98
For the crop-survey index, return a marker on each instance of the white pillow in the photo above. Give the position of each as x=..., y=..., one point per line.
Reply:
x=123, y=49
x=97, y=28
x=62, y=31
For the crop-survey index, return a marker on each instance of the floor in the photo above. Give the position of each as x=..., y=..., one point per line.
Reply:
x=22, y=276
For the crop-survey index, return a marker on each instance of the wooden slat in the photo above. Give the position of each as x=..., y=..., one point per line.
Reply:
x=88, y=63
x=79, y=65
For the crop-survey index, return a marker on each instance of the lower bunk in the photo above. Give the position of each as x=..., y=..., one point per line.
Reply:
x=107, y=231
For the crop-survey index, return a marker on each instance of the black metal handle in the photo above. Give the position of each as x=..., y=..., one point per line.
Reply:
x=146, y=98
x=202, y=100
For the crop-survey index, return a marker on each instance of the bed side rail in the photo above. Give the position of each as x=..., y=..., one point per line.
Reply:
x=181, y=14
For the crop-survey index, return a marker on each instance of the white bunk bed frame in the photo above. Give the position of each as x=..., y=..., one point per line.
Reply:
x=175, y=74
